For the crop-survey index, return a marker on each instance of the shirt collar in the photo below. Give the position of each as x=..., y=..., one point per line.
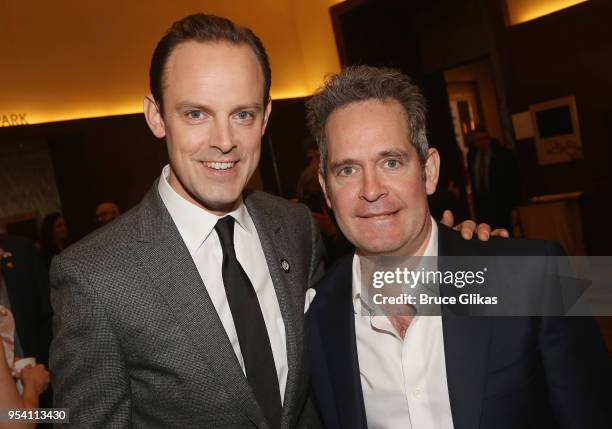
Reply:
x=430, y=250
x=195, y=223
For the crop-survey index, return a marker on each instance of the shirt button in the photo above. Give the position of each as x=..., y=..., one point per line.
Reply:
x=417, y=392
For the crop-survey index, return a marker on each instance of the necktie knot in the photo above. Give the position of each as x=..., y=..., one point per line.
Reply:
x=225, y=231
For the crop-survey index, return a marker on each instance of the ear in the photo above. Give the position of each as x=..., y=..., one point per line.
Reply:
x=324, y=187
x=267, y=112
x=432, y=170
x=154, y=117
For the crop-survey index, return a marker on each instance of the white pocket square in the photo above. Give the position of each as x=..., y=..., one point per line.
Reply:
x=310, y=294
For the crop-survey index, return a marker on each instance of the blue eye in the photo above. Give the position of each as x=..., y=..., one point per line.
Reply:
x=195, y=115
x=244, y=116
x=346, y=171
x=392, y=163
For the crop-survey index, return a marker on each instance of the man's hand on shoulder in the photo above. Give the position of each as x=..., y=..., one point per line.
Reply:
x=467, y=228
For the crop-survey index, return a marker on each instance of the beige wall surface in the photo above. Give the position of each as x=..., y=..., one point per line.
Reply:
x=72, y=59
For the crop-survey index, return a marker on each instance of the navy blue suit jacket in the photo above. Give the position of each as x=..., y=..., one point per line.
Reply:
x=502, y=372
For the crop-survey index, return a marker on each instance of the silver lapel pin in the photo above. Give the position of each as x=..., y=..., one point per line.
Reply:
x=285, y=265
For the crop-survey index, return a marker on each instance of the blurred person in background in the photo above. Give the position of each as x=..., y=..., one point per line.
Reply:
x=54, y=236
x=495, y=178
x=309, y=193
x=106, y=212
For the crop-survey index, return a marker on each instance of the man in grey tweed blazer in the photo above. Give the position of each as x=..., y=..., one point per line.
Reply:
x=142, y=332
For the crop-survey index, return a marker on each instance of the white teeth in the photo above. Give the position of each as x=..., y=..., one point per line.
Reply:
x=220, y=165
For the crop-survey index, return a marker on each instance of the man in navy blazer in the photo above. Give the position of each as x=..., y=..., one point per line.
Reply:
x=413, y=371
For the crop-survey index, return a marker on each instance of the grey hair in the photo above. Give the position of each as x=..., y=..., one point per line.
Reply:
x=360, y=83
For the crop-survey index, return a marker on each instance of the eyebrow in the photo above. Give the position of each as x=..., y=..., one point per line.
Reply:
x=346, y=161
x=256, y=106
x=394, y=152
x=194, y=105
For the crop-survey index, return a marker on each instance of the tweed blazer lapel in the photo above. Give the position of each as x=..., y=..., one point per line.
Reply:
x=173, y=272
x=274, y=241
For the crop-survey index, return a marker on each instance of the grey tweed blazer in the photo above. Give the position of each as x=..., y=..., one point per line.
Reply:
x=138, y=342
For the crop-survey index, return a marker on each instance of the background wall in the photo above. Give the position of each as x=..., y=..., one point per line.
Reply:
x=567, y=53
x=27, y=181
x=113, y=158
x=70, y=59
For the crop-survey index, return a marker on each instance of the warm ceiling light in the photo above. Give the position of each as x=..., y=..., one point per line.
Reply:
x=526, y=10
x=93, y=112
x=289, y=93
x=128, y=109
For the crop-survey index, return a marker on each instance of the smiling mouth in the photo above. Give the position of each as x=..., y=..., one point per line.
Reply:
x=220, y=166
x=375, y=216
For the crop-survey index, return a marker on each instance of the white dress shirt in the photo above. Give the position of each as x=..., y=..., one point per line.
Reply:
x=196, y=227
x=403, y=381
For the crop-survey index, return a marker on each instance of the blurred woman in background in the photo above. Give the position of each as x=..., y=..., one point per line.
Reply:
x=54, y=236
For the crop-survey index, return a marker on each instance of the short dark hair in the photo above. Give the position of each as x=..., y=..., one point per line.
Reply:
x=200, y=27
x=47, y=241
x=361, y=83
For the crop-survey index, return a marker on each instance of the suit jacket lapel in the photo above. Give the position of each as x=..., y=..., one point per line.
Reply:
x=466, y=342
x=337, y=320
x=274, y=241
x=174, y=274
